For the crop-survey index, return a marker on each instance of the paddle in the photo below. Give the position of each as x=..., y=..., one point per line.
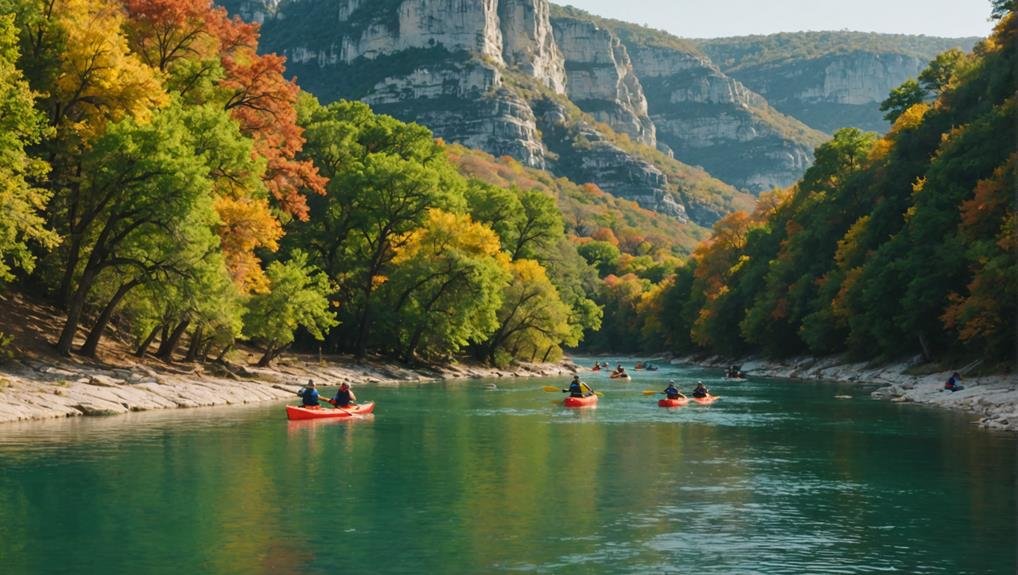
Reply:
x=553, y=389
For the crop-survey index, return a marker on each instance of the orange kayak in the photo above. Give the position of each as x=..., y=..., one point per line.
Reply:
x=706, y=400
x=672, y=402
x=295, y=413
x=589, y=401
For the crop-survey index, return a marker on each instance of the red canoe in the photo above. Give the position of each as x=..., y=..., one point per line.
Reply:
x=673, y=402
x=589, y=401
x=706, y=400
x=294, y=413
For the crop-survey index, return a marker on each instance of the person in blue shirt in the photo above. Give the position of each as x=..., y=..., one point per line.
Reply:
x=309, y=395
x=344, y=396
x=673, y=392
x=578, y=389
x=952, y=383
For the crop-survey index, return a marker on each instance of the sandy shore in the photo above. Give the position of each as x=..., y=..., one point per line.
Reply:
x=993, y=398
x=42, y=389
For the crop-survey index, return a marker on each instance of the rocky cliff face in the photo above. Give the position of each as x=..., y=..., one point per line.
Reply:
x=710, y=119
x=493, y=74
x=602, y=81
x=828, y=80
x=836, y=90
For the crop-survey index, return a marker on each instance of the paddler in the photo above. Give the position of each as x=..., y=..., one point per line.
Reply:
x=673, y=392
x=309, y=394
x=344, y=396
x=578, y=389
x=700, y=390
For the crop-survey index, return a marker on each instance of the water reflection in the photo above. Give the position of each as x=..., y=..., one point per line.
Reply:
x=774, y=478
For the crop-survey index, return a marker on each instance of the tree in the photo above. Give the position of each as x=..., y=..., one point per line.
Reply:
x=938, y=73
x=146, y=208
x=297, y=298
x=533, y=323
x=385, y=177
x=602, y=255
x=21, y=200
x=901, y=99
x=446, y=287
x=1002, y=8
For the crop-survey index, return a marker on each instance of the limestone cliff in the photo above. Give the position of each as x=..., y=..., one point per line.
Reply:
x=602, y=81
x=475, y=71
x=707, y=118
x=828, y=80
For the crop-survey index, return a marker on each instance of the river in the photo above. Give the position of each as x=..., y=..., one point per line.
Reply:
x=776, y=477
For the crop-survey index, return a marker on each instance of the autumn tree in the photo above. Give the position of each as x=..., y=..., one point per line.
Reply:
x=445, y=288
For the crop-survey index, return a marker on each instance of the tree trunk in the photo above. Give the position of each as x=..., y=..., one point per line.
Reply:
x=927, y=356
x=74, y=310
x=192, y=350
x=267, y=357
x=92, y=341
x=147, y=343
x=169, y=345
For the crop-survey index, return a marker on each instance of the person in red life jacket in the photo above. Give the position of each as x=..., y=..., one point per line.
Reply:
x=952, y=383
x=309, y=395
x=344, y=397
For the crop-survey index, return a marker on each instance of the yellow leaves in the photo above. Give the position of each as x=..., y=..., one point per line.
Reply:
x=99, y=80
x=911, y=118
x=444, y=231
x=246, y=225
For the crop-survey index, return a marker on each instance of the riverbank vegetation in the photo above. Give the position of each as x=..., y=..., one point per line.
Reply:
x=164, y=180
x=889, y=246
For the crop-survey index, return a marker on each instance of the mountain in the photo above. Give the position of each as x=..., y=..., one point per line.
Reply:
x=702, y=115
x=828, y=80
x=492, y=75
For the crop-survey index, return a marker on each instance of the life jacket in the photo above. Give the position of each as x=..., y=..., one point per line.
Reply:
x=310, y=397
x=575, y=389
x=342, y=398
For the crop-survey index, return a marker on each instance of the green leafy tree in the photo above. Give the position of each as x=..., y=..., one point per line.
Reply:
x=901, y=99
x=384, y=178
x=602, y=255
x=297, y=298
x=146, y=208
x=21, y=199
x=938, y=74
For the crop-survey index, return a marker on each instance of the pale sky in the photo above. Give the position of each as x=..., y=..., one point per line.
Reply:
x=717, y=18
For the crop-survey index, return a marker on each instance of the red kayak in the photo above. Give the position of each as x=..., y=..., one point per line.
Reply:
x=706, y=400
x=679, y=402
x=589, y=401
x=295, y=413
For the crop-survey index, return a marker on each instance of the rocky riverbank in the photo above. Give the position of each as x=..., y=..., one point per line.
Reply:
x=994, y=398
x=43, y=389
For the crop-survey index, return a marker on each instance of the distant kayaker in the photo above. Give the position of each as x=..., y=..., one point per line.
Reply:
x=952, y=383
x=344, y=396
x=309, y=394
x=578, y=389
x=673, y=392
x=700, y=390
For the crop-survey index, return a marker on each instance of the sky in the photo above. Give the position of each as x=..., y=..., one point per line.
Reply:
x=718, y=18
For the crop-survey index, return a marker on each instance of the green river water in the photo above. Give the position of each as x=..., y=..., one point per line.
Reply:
x=776, y=477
